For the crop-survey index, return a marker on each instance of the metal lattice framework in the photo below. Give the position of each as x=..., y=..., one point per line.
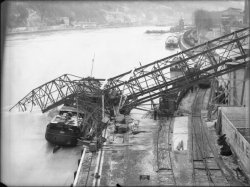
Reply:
x=150, y=81
x=58, y=91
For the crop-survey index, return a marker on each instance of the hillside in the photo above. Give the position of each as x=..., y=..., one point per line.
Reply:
x=109, y=12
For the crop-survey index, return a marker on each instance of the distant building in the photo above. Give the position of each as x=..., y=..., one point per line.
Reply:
x=232, y=16
x=233, y=12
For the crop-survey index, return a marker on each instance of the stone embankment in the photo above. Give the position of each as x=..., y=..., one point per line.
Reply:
x=189, y=38
x=187, y=41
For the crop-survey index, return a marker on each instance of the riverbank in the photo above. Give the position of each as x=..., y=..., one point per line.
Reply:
x=78, y=29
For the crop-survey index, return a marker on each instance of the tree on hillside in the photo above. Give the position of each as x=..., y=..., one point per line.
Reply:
x=17, y=15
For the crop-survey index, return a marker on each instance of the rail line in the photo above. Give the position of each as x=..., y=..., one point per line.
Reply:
x=165, y=165
x=206, y=171
x=84, y=169
x=90, y=168
x=99, y=163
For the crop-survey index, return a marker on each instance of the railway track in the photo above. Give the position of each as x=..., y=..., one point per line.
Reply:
x=90, y=167
x=84, y=169
x=164, y=160
x=206, y=171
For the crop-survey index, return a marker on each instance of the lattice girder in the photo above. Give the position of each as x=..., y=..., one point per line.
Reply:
x=57, y=91
x=210, y=56
x=149, y=81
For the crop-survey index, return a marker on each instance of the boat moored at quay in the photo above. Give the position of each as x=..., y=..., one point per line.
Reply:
x=64, y=130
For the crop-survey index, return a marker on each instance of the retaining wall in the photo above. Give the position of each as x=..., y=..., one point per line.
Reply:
x=230, y=123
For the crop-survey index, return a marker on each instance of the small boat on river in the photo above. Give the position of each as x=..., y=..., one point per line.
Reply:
x=64, y=130
x=171, y=42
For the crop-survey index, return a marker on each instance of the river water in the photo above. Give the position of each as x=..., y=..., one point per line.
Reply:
x=33, y=59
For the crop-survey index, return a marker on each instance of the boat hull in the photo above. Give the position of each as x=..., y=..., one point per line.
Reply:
x=171, y=45
x=171, y=42
x=62, y=135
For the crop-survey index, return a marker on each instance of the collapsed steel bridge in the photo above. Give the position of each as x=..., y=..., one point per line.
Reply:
x=58, y=91
x=150, y=81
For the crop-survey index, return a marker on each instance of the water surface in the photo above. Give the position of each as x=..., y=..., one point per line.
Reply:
x=33, y=59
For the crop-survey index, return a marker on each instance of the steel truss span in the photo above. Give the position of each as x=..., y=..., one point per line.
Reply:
x=142, y=84
x=57, y=92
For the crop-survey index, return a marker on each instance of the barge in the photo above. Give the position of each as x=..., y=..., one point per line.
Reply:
x=64, y=130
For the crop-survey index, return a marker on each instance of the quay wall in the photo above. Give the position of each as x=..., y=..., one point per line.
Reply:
x=182, y=44
x=238, y=143
x=34, y=31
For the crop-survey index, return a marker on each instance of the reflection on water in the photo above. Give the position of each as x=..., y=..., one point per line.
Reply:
x=33, y=59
